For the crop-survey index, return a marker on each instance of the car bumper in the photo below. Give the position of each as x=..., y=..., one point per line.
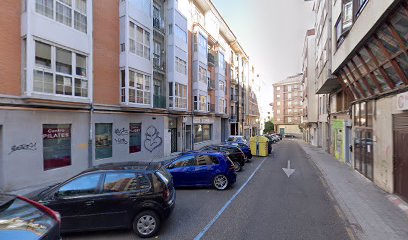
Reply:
x=232, y=177
x=168, y=210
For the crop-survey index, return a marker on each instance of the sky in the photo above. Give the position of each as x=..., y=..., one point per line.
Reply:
x=272, y=33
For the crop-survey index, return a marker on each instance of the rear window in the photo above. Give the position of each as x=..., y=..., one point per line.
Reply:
x=231, y=139
x=23, y=221
x=164, y=175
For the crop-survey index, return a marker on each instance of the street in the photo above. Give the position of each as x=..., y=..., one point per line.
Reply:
x=263, y=204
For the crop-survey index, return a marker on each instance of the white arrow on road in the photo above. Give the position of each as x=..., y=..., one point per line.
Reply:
x=288, y=170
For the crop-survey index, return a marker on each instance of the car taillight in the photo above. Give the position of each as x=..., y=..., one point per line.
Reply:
x=43, y=208
x=166, y=194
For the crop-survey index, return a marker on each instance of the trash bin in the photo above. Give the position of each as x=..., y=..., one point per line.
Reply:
x=259, y=146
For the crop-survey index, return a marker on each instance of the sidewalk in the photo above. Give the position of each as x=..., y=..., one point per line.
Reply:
x=366, y=207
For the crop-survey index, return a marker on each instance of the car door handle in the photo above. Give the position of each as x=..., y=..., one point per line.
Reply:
x=89, y=203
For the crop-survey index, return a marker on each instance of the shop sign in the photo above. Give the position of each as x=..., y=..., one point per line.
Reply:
x=203, y=120
x=402, y=101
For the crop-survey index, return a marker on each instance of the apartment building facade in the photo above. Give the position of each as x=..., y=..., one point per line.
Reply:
x=366, y=82
x=106, y=81
x=287, y=105
x=309, y=121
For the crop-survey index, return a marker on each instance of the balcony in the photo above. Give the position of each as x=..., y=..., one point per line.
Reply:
x=211, y=108
x=158, y=25
x=211, y=59
x=159, y=101
x=158, y=64
x=234, y=98
x=211, y=84
x=233, y=118
x=234, y=80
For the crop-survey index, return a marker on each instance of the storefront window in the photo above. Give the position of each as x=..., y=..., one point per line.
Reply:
x=202, y=132
x=56, y=145
x=135, y=137
x=103, y=140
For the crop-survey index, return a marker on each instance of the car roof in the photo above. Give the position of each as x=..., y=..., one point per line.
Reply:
x=135, y=166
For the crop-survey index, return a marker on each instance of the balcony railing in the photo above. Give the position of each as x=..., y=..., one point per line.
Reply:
x=234, y=98
x=211, y=84
x=159, y=101
x=233, y=118
x=211, y=107
x=158, y=63
x=234, y=80
x=158, y=24
x=211, y=59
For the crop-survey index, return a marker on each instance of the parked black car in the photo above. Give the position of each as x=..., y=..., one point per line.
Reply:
x=271, y=141
x=21, y=218
x=109, y=196
x=233, y=152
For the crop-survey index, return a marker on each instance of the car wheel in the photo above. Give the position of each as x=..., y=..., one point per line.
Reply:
x=237, y=167
x=146, y=224
x=220, y=182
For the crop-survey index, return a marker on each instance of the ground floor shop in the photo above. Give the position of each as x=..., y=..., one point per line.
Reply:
x=380, y=134
x=41, y=146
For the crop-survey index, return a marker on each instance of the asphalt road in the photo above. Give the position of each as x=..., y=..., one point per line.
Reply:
x=263, y=204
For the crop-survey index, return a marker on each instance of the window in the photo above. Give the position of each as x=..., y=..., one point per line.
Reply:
x=278, y=96
x=181, y=66
x=83, y=185
x=45, y=7
x=221, y=62
x=135, y=137
x=347, y=15
x=221, y=105
x=278, y=111
x=203, y=103
x=202, y=132
x=103, y=140
x=204, y=160
x=183, y=162
x=46, y=78
x=56, y=145
x=202, y=74
x=202, y=44
x=143, y=5
x=80, y=20
x=139, y=41
x=120, y=182
x=180, y=97
x=339, y=31
x=181, y=34
x=65, y=11
x=278, y=103
x=277, y=88
x=157, y=55
x=139, y=88
x=221, y=85
x=360, y=4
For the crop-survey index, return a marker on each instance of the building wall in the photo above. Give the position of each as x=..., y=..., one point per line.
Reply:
x=290, y=129
x=383, y=142
x=10, y=48
x=106, y=52
x=365, y=22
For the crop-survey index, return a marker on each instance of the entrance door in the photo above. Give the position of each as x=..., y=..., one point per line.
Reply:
x=400, y=125
x=173, y=139
x=188, y=138
x=363, y=152
x=347, y=145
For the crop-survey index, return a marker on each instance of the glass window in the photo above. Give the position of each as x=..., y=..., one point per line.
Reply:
x=385, y=35
x=103, y=140
x=63, y=85
x=203, y=160
x=43, y=82
x=45, y=7
x=42, y=55
x=347, y=15
x=181, y=34
x=63, y=61
x=400, y=22
x=402, y=61
x=185, y=161
x=389, y=69
x=181, y=66
x=135, y=137
x=357, y=114
x=367, y=59
x=139, y=41
x=139, y=88
x=83, y=185
x=120, y=182
x=369, y=114
x=381, y=80
x=56, y=145
x=143, y=6
x=202, y=43
x=372, y=45
x=80, y=22
x=63, y=13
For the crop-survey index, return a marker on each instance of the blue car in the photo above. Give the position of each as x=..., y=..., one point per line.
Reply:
x=202, y=169
x=244, y=148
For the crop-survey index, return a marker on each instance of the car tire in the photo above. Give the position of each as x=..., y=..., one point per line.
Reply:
x=220, y=182
x=146, y=224
x=237, y=167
